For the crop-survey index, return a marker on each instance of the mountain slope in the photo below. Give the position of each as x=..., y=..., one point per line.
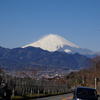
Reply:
x=36, y=57
x=3, y=51
x=53, y=42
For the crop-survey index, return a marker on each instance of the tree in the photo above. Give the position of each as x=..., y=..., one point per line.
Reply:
x=95, y=63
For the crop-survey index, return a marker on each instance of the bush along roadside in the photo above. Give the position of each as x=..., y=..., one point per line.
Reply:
x=32, y=96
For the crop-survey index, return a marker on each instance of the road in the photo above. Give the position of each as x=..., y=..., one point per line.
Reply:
x=58, y=97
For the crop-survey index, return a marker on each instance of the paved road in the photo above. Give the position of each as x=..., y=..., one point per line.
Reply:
x=58, y=97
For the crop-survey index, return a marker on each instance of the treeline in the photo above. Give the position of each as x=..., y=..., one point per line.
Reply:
x=22, y=85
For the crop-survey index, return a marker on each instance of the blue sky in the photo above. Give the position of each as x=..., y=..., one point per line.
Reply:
x=25, y=21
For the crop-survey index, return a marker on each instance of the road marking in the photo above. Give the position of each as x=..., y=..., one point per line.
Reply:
x=67, y=98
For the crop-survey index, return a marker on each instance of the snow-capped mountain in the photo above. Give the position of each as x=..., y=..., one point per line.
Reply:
x=54, y=42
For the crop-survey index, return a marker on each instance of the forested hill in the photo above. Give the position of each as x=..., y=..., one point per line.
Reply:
x=36, y=57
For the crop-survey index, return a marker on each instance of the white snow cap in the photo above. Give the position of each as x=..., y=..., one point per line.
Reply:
x=51, y=42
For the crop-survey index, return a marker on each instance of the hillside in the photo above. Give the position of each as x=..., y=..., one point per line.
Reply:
x=36, y=57
x=86, y=77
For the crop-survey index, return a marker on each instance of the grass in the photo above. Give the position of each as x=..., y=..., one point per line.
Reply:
x=29, y=96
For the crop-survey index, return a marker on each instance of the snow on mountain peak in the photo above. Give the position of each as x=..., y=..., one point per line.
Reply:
x=51, y=42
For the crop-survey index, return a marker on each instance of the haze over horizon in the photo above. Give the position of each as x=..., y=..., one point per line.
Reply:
x=25, y=21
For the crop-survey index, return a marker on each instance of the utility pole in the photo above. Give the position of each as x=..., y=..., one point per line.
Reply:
x=83, y=80
x=96, y=79
x=95, y=83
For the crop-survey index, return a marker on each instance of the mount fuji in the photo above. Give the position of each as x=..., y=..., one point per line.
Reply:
x=54, y=42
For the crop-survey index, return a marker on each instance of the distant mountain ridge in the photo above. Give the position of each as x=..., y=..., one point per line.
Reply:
x=54, y=42
x=50, y=52
x=36, y=57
